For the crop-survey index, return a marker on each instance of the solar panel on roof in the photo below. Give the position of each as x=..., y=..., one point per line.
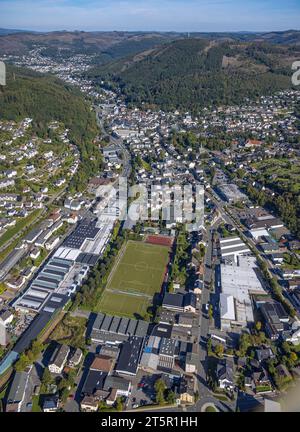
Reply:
x=60, y=263
x=87, y=258
x=57, y=273
x=36, y=285
x=49, y=309
x=56, y=299
x=44, y=285
x=93, y=260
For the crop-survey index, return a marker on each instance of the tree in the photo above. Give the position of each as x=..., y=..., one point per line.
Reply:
x=219, y=350
x=160, y=388
x=209, y=346
x=258, y=326
x=202, y=250
x=46, y=378
x=22, y=363
x=64, y=394
x=171, y=398
x=63, y=383
x=119, y=404
x=293, y=358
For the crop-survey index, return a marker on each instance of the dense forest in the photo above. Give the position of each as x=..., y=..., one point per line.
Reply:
x=44, y=99
x=192, y=73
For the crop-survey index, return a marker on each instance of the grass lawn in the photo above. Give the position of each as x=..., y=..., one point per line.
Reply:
x=136, y=277
x=123, y=305
x=210, y=409
x=140, y=269
x=261, y=389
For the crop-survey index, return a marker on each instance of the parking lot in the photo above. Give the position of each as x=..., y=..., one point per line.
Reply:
x=143, y=392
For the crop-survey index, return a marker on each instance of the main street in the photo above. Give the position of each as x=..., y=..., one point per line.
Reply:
x=117, y=142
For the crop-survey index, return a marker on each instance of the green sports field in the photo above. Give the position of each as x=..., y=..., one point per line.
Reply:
x=136, y=277
x=123, y=305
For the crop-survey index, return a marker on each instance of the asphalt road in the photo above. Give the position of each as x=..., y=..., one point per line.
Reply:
x=118, y=142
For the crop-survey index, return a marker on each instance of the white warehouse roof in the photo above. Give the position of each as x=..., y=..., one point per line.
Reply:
x=227, y=307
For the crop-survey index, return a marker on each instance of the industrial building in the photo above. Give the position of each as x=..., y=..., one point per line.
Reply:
x=47, y=282
x=129, y=357
x=108, y=329
x=231, y=193
x=159, y=354
x=275, y=318
x=65, y=270
x=233, y=247
x=238, y=283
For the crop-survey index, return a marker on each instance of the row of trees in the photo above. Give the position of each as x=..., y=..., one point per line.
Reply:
x=178, y=273
x=276, y=289
x=91, y=291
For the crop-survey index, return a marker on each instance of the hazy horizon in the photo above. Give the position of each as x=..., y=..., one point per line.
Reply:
x=150, y=15
x=144, y=31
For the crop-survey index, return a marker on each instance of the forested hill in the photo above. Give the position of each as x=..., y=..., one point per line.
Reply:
x=44, y=99
x=193, y=73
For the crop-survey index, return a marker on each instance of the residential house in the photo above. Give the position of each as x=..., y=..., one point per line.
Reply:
x=261, y=381
x=89, y=404
x=75, y=358
x=225, y=374
x=59, y=359
x=192, y=360
x=264, y=354
x=16, y=393
x=117, y=387
x=6, y=317
x=50, y=404
x=186, y=390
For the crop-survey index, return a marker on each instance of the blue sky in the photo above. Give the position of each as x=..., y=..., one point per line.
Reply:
x=163, y=15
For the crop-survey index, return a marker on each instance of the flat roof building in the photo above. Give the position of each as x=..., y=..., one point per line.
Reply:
x=108, y=329
x=130, y=355
x=234, y=247
x=238, y=283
